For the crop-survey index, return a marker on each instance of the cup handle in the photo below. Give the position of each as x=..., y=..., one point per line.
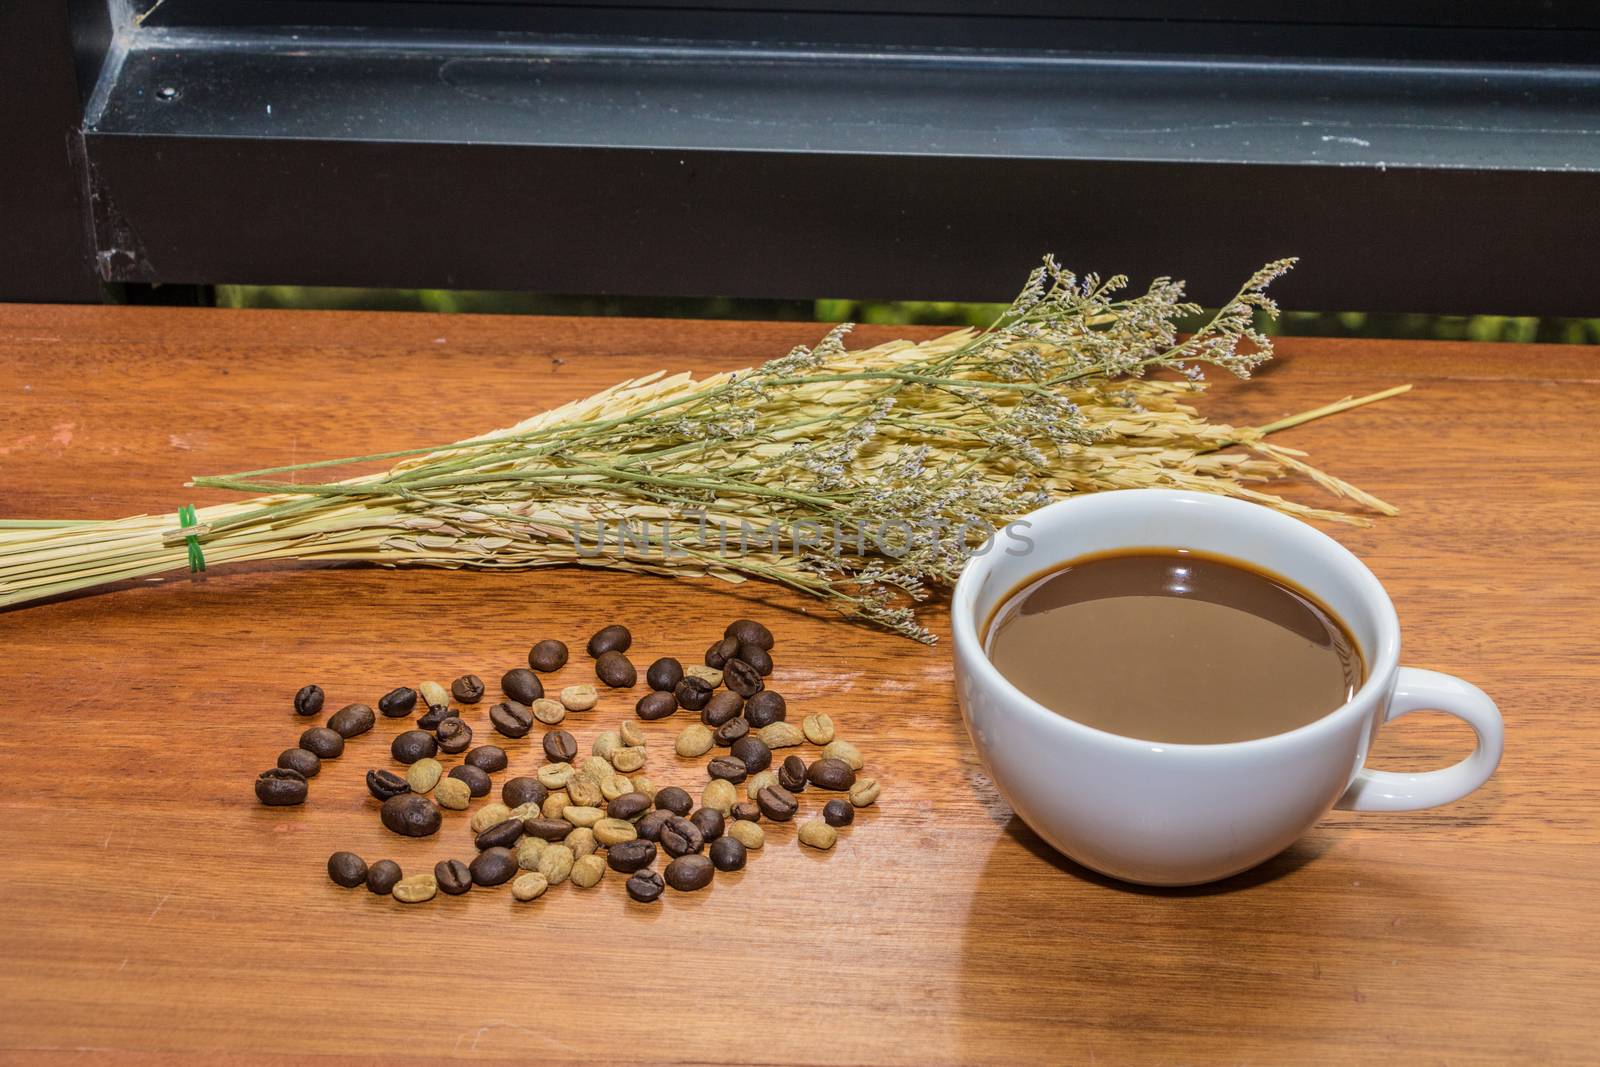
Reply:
x=1420, y=690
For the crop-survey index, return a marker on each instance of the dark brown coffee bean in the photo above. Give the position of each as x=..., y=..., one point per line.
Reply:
x=832, y=774
x=500, y=835
x=519, y=791
x=649, y=826
x=730, y=732
x=386, y=784
x=410, y=814
x=322, y=742
x=742, y=678
x=308, y=701
x=688, y=873
x=477, y=779
x=838, y=813
x=560, y=747
x=490, y=758
x=728, y=768
x=746, y=810
x=610, y=639
x=792, y=774
x=511, y=719
x=547, y=656
x=675, y=800
x=616, y=670
x=629, y=856
x=453, y=876
x=302, y=760
x=753, y=751
x=727, y=854
x=693, y=693
x=412, y=745
x=281, y=787
x=679, y=837
x=722, y=706
x=347, y=869
x=709, y=822
x=436, y=714
x=549, y=829
x=654, y=705
x=757, y=658
x=397, y=703
x=750, y=632
x=352, y=720
x=777, y=803
x=382, y=876
x=454, y=735
x=720, y=652
x=521, y=685
x=629, y=806
x=765, y=708
x=468, y=689
x=663, y=674
x=493, y=866
x=646, y=887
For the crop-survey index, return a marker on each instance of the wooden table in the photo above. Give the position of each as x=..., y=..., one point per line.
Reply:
x=152, y=912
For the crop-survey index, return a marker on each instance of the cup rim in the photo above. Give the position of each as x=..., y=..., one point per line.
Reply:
x=1384, y=661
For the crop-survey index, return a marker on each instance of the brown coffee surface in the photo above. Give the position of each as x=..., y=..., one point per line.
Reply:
x=1173, y=646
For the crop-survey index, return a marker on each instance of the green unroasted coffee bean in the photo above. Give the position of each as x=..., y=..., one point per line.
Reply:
x=709, y=675
x=628, y=760
x=694, y=741
x=587, y=871
x=747, y=833
x=719, y=795
x=845, y=752
x=581, y=841
x=864, y=793
x=606, y=743
x=424, y=774
x=597, y=769
x=556, y=863
x=780, y=735
x=584, y=792
x=757, y=782
x=609, y=831
x=550, y=712
x=529, y=886
x=641, y=784
x=529, y=849
x=416, y=888
x=618, y=785
x=555, y=775
x=631, y=733
x=433, y=693
x=817, y=728
x=554, y=804
x=491, y=814
x=453, y=793
x=818, y=834
x=583, y=814
x=579, y=697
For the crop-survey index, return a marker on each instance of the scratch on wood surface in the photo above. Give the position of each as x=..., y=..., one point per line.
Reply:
x=478, y=1035
x=164, y=898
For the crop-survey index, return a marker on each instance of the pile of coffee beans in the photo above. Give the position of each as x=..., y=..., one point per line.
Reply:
x=575, y=816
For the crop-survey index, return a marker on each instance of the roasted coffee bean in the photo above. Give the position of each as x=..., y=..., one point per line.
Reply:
x=765, y=708
x=412, y=745
x=436, y=714
x=655, y=705
x=649, y=825
x=832, y=774
x=646, y=887
x=477, y=778
x=411, y=815
x=299, y=759
x=610, y=639
x=386, y=784
x=398, y=702
x=792, y=774
x=675, y=800
x=424, y=774
x=453, y=876
x=322, y=742
x=720, y=652
x=308, y=701
x=757, y=658
x=750, y=632
x=468, y=689
x=416, y=889
x=352, y=720
x=709, y=822
x=692, y=693
x=549, y=829
x=663, y=674
x=838, y=813
x=616, y=670
x=722, y=706
x=493, y=866
x=730, y=732
x=560, y=747
x=728, y=768
x=679, y=837
x=547, y=656
x=777, y=803
x=727, y=854
x=347, y=869
x=454, y=735
x=742, y=678
x=488, y=757
x=688, y=873
x=818, y=835
x=745, y=811
x=625, y=857
x=519, y=791
x=511, y=719
x=628, y=806
x=754, y=752
x=521, y=685
x=281, y=787
x=383, y=876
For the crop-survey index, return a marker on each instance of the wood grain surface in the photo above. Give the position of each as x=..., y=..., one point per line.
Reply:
x=151, y=912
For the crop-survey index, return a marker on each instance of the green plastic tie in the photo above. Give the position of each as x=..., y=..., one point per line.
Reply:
x=186, y=519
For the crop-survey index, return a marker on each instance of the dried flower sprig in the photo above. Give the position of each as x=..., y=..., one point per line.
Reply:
x=861, y=477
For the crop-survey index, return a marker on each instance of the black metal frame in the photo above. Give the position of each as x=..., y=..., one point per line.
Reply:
x=1418, y=161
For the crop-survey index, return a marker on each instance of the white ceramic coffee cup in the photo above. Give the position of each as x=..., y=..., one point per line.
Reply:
x=1167, y=814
